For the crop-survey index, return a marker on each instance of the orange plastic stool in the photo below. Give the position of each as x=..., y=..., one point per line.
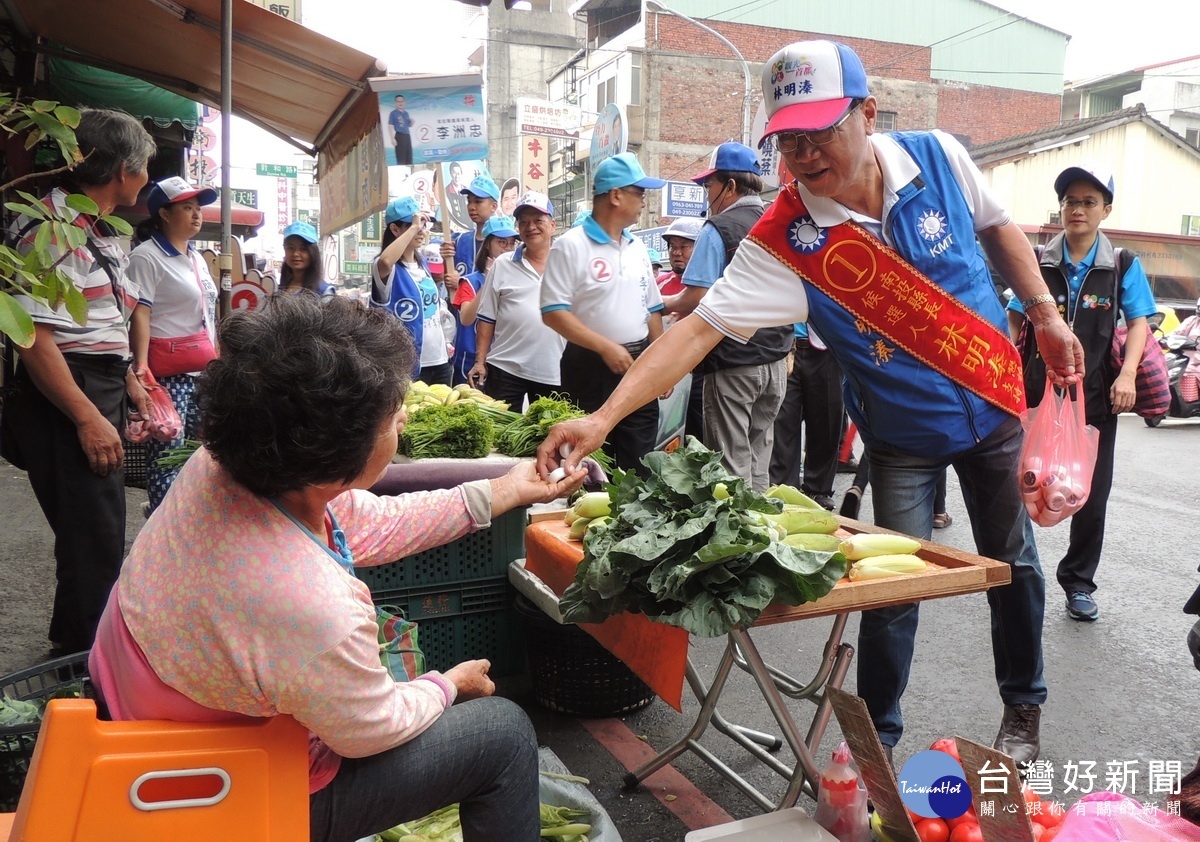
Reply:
x=149, y=781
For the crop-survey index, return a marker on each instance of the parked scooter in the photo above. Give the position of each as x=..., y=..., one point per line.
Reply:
x=1174, y=348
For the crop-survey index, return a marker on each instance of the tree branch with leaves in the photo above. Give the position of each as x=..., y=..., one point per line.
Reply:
x=36, y=273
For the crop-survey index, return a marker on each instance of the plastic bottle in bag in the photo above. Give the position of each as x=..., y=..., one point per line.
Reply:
x=842, y=800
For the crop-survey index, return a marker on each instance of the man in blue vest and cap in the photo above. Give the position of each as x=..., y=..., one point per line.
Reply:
x=874, y=245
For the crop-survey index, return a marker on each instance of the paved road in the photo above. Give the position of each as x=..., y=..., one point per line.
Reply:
x=1121, y=689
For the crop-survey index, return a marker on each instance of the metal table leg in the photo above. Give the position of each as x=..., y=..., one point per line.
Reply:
x=774, y=684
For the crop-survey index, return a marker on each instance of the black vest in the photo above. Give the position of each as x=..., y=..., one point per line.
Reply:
x=1093, y=321
x=768, y=344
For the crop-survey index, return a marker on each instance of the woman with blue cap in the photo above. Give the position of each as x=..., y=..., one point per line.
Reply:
x=499, y=237
x=401, y=283
x=302, y=264
x=177, y=310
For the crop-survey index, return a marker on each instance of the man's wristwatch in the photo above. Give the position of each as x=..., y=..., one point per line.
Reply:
x=1040, y=298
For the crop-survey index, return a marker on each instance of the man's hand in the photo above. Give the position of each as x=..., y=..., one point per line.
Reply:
x=617, y=358
x=569, y=442
x=101, y=444
x=1123, y=392
x=138, y=394
x=477, y=376
x=1060, y=349
x=471, y=679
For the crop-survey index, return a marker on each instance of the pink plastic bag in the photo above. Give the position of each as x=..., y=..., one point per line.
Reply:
x=163, y=424
x=1057, y=459
x=1112, y=817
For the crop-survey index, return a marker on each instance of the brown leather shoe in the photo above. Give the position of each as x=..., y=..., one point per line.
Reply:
x=1019, y=735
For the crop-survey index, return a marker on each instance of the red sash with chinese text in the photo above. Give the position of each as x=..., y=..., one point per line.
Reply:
x=886, y=293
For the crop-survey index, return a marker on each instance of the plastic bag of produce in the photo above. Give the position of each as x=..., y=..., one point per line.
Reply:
x=163, y=424
x=1058, y=457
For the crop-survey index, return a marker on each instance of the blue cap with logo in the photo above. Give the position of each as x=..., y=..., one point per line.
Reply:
x=401, y=210
x=809, y=86
x=655, y=257
x=175, y=189
x=302, y=230
x=537, y=201
x=482, y=187
x=623, y=171
x=730, y=157
x=500, y=226
x=1097, y=175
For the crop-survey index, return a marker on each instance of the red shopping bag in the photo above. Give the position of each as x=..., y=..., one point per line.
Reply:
x=163, y=424
x=1058, y=457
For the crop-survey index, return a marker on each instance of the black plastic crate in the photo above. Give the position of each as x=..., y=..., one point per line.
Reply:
x=40, y=683
x=136, y=465
x=462, y=622
x=485, y=554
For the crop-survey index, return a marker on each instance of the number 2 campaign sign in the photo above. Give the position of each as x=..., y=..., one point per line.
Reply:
x=430, y=119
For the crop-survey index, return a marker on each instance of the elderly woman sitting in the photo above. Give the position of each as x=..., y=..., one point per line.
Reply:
x=235, y=600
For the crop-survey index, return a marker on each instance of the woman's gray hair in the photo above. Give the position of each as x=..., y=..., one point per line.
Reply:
x=110, y=139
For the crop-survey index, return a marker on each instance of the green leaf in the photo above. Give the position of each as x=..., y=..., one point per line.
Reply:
x=76, y=304
x=67, y=115
x=33, y=138
x=43, y=105
x=80, y=203
x=119, y=225
x=75, y=236
x=43, y=238
x=15, y=322
x=36, y=210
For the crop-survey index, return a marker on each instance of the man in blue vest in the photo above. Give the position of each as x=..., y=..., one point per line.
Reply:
x=918, y=331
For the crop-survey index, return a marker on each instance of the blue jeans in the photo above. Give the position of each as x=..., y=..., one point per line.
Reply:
x=480, y=754
x=903, y=492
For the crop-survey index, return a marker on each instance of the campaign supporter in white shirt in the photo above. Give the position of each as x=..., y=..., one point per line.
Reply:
x=522, y=344
x=609, y=284
x=433, y=348
x=757, y=288
x=171, y=285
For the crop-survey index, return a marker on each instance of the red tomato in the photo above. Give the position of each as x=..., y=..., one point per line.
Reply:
x=966, y=833
x=948, y=745
x=932, y=830
x=1031, y=797
x=1050, y=833
x=968, y=817
x=1038, y=832
x=1051, y=815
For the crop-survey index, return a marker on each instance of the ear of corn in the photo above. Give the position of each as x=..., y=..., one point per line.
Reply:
x=796, y=519
x=815, y=541
x=594, y=504
x=883, y=566
x=865, y=545
x=792, y=496
x=578, y=528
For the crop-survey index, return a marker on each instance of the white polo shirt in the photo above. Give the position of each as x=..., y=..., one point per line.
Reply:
x=178, y=289
x=522, y=344
x=608, y=284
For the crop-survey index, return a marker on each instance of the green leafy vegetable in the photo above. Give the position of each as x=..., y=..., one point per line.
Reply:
x=522, y=434
x=689, y=546
x=174, y=458
x=562, y=823
x=457, y=431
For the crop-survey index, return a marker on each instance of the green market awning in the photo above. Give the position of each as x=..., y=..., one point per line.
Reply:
x=78, y=84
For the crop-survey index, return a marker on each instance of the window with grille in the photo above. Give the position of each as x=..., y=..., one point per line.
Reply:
x=885, y=121
x=1191, y=225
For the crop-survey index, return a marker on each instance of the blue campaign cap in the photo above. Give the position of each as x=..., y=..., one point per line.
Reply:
x=655, y=257
x=500, y=226
x=730, y=157
x=175, y=189
x=623, y=171
x=401, y=210
x=809, y=86
x=482, y=187
x=302, y=230
x=1094, y=173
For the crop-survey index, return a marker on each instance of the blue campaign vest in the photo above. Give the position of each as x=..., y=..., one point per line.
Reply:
x=464, y=336
x=900, y=401
x=465, y=253
x=404, y=302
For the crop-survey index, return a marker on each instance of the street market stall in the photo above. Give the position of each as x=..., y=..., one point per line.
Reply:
x=658, y=653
